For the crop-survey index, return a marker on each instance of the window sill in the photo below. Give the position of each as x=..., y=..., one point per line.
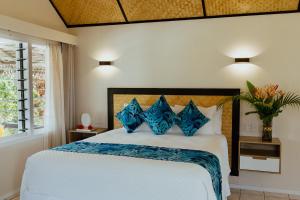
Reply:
x=10, y=140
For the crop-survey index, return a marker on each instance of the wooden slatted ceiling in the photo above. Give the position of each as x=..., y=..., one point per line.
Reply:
x=230, y=7
x=103, y=12
x=89, y=11
x=140, y=10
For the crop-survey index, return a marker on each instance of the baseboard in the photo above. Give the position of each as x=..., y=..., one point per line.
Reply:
x=15, y=193
x=264, y=189
x=10, y=195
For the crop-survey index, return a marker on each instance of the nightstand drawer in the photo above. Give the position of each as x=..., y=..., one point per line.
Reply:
x=76, y=135
x=258, y=163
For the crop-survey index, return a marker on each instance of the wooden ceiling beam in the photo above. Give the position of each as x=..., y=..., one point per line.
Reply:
x=122, y=10
x=204, y=8
x=59, y=14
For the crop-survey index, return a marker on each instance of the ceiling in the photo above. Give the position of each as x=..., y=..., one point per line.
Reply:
x=78, y=13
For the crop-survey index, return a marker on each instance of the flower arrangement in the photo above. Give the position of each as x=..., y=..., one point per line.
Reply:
x=268, y=102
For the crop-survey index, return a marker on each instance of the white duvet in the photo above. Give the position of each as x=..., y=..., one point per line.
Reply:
x=53, y=175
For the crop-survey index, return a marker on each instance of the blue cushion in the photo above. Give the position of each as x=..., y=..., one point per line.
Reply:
x=160, y=116
x=190, y=119
x=130, y=116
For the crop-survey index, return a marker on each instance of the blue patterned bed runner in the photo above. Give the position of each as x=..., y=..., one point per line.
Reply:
x=205, y=159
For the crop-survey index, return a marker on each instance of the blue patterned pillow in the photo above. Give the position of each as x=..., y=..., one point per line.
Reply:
x=130, y=116
x=190, y=119
x=160, y=116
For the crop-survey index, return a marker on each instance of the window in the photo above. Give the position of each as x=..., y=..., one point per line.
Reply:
x=39, y=84
x=22, y=86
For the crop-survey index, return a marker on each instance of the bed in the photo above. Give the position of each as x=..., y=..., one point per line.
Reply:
x=58, y=175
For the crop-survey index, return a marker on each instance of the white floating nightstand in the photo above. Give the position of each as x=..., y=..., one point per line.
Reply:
x=256, y=155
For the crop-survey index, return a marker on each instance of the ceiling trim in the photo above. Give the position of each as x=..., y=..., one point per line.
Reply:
x=170, y=19
x=134, y=22
x=181, y=19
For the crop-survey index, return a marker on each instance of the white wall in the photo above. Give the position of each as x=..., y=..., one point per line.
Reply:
x=196, y=54
x=38, y=12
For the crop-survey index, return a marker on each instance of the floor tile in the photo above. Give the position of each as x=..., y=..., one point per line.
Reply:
x=235, y=190
x=252, y=192
x=294, y=197
x=276, y=196
x=234, y=195
x=251, y=197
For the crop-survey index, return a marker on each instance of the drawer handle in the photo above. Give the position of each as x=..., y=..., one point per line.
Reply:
x=259, y=158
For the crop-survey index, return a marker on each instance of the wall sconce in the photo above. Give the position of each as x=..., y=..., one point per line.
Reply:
x=242, y=60
x=105, y=63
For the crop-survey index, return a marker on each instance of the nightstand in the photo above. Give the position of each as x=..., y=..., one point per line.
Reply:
x=256, y=155
x=75, y=135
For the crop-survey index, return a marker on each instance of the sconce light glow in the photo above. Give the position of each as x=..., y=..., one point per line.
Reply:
x=105, y=55
x=242, y=67
x=106, y=71
x=106, y=59
x=242, y=70
x=243, y=51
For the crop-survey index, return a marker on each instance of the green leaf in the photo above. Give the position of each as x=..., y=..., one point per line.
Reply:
x=268, y=100
x=252, y=112
x=290, y=99
x=251, y=88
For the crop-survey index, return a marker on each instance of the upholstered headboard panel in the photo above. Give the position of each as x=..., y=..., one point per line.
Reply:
x=117, y=97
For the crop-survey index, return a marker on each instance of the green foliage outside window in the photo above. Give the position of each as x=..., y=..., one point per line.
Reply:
x=8, y=101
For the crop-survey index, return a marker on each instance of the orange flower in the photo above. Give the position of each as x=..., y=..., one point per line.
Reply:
x=260, y=93
x=268, y=91
x=271, y=90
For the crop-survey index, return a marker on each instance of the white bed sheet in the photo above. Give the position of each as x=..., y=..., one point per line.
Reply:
x=53, y=175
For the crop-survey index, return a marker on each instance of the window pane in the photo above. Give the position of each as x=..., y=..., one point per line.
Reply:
x=8, y=88
x=39, y=84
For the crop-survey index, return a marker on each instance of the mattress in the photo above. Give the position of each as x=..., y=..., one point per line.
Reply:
x=55, y=175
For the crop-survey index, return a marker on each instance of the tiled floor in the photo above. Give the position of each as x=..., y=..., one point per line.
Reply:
x=253, y=195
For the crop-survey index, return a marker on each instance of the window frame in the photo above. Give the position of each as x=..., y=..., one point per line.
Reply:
x=21, y=38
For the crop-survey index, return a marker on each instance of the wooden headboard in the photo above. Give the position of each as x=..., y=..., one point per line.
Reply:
x=117, y=97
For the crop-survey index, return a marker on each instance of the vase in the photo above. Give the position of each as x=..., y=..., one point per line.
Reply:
x=267, y=130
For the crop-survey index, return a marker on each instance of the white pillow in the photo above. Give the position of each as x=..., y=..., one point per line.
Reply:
x=218, y=121
x=143, y=128
x=214, y=125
